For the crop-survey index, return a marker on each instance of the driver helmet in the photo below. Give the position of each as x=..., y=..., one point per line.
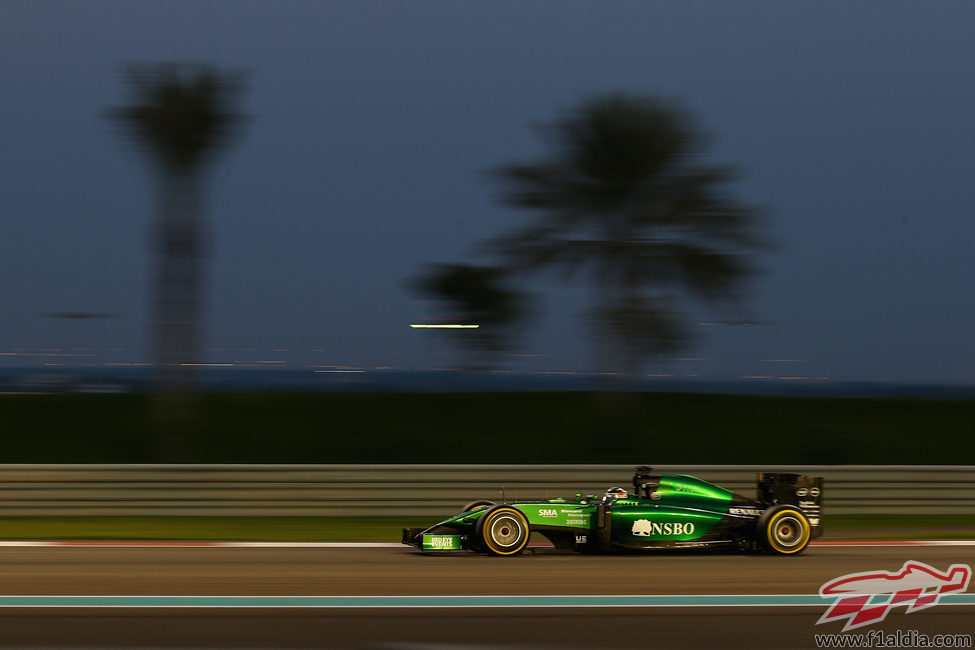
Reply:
x=614, y=493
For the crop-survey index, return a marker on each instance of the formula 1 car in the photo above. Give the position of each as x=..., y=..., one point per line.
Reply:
x=660, y=512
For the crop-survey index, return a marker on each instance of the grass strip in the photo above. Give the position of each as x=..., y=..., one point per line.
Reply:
x=388, y=529
x=284, y=529
x=901, y=526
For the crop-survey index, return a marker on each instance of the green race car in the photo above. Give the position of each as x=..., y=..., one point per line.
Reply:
x=660, y=512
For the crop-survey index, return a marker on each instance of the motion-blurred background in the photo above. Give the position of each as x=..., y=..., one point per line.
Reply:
x=307, y=271
x=496, y=200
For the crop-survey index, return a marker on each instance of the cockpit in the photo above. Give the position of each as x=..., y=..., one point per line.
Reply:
x=614, y=493
x=645, y=485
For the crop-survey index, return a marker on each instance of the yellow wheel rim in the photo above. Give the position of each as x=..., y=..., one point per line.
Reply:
x=787, y=531
x=506, y=531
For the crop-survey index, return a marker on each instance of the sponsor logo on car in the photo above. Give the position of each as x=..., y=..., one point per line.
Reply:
x=812, y=510
x=646, y=528
x=582, y=539
x=859, y=597
x=754, y=512
x=548, y=512
x=441, y=542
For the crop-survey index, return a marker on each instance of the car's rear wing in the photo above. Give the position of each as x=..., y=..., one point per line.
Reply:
x=804, y=492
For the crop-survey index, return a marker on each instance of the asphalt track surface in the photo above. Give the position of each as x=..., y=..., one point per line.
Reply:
x=91, y=571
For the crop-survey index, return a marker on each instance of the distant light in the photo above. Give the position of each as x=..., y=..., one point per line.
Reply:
x=208, y=365
x=444, y=326
x=333, y=368
x=803, y=378
x=44, y=354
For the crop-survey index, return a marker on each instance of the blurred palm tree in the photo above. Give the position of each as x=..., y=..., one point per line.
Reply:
x=625, y=197
x=181, y=114
x=475, y=295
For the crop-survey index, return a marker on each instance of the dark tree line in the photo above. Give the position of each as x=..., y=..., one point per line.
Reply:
x=181, y=116
x=625, y=202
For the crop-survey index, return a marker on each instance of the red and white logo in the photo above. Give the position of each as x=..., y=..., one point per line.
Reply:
x=865, y=598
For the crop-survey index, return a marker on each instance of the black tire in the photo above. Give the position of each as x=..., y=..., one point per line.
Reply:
x=784, y=530
x=502, y=530
x=477, y=504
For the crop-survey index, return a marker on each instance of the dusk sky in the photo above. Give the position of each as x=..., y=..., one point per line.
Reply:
x=374, y=124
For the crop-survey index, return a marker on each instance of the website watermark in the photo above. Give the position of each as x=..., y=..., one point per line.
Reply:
x=866, y=598
x=861, y=599
x=896, y=639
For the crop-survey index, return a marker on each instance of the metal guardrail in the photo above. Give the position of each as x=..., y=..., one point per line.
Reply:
x=429, y=490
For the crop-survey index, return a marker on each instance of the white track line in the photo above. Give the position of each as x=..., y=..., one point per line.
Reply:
x=190, y=544
x=151, y=544
x=439, y=602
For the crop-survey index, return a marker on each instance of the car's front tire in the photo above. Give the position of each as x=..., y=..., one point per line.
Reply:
x=784, y=530
x=503, y=530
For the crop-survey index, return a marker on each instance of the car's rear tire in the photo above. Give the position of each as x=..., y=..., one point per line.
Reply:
x=784, y=530
x=502, y=530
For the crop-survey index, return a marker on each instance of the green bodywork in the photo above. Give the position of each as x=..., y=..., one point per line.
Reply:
x=681, y=508
x=554, y=512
